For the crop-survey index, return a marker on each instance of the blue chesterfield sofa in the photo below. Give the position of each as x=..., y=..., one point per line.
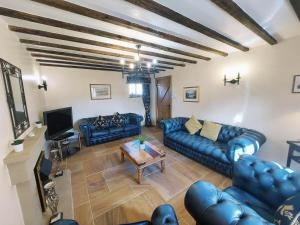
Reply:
x=92, y=135
x=232, y=142
x=260, y=191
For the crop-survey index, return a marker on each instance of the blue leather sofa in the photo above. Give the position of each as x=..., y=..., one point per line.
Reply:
x=259, y=189
x=92, y=135
x=232, y=142
x=162, y=215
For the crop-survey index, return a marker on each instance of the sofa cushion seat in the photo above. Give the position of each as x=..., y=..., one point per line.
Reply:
x=130, y=127
x=200, y=144
x=114, y=130
x=261, y=208
x=99, y=132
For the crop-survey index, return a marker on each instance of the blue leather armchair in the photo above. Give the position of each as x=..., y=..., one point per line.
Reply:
x=92, y=135
x=259, y=189
x=232, y=142
x=162, y=215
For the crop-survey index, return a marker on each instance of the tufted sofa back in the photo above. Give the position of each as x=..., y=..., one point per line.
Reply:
x=227, y=132
x=267, y=181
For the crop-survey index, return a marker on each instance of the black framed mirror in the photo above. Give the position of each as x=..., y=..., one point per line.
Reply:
x=15, y=97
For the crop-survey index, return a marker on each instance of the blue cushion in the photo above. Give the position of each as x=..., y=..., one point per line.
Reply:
x=289, y=212
x=200, y=144
x=98, y=133
x=261, y=208
x=130, y=127
x=116, y=129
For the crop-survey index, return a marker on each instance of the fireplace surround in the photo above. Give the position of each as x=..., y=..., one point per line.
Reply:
x=21, y=171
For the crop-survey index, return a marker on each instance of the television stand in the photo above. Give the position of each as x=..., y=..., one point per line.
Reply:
x=64, y=136
x=67, y=144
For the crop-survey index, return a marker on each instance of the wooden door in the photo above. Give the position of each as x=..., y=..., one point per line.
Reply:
x=164, y=98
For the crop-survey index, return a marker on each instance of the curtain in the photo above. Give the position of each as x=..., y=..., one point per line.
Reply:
x=146, y=81
x=147, y=104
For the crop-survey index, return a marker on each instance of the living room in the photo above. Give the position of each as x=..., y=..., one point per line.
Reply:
x=179, y=112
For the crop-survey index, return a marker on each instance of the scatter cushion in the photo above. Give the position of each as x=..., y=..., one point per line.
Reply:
x=289, y=212
x=118, y=120
x=210, y=130
x=101, y=123
x=193, y=125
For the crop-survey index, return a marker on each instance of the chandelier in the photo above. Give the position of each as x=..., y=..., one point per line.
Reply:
x=138, y=67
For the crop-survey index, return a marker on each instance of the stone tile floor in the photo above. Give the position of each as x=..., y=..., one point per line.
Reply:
x=105, y=191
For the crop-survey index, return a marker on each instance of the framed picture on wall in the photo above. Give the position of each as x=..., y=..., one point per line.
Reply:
x=191, y=94
x=100, y=91
x=296, y=84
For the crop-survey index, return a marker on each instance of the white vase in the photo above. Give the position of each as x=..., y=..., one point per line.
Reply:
x=38, y=125
x=142, y=146
x=18, y=148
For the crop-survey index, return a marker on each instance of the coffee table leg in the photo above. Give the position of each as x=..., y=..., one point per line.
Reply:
x=122, y=157
x=162, y=165
x=139, y=175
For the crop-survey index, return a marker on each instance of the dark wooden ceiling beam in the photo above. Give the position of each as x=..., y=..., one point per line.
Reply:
x=56, y=57
x=92, y=57
x=79, y=67
x=170, y=14
x=87, y=64
x=69, y=26
x=83, y=67
x=296, y=6
x=240, y=15
x=48, y=44
x=73, y=8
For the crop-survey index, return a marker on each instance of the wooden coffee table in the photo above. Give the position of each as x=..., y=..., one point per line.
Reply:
x=142, y=158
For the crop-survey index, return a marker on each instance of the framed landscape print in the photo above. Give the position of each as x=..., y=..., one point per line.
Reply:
x=296, y=84
x=100, y=91
x=191, y=94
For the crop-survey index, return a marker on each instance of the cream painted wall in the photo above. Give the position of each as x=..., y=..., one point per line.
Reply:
x=262, y=101
x=70, y=87
x=13, y=52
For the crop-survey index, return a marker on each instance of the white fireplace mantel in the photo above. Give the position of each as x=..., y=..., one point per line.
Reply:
x=20, y=167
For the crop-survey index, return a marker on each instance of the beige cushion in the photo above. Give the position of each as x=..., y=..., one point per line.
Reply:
x=210, y=130
x=193, y=125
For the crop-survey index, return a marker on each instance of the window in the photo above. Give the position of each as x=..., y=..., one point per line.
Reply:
x=135, y=90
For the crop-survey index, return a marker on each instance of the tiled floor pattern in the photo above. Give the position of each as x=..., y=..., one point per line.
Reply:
x=105, y=191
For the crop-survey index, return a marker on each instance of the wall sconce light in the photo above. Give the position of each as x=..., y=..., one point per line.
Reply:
x=43, y=85
x=233, y=81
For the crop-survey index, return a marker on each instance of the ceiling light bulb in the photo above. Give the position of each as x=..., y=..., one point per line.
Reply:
x=154, y=61
x=148, y=65
x=131, y=66
x=136, y=57
x=122, y=61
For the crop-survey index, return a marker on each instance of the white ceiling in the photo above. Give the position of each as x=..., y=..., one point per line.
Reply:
x=276, y=16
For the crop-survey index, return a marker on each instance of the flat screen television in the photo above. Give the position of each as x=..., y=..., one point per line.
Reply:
x=58, y=122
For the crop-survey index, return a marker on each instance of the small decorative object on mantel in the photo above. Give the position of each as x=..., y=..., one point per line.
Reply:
x=18, y=145
x=100, y=91
x=191, y=94
x=141, y=140
x=38, y=124
x=296, y=84
x=232, y=81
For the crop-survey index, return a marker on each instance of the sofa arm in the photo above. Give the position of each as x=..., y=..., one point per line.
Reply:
x=164, y=215
x=247, y=143
x=209, y=205
x=85, y=128
x=171, y=125
x=135, y=119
